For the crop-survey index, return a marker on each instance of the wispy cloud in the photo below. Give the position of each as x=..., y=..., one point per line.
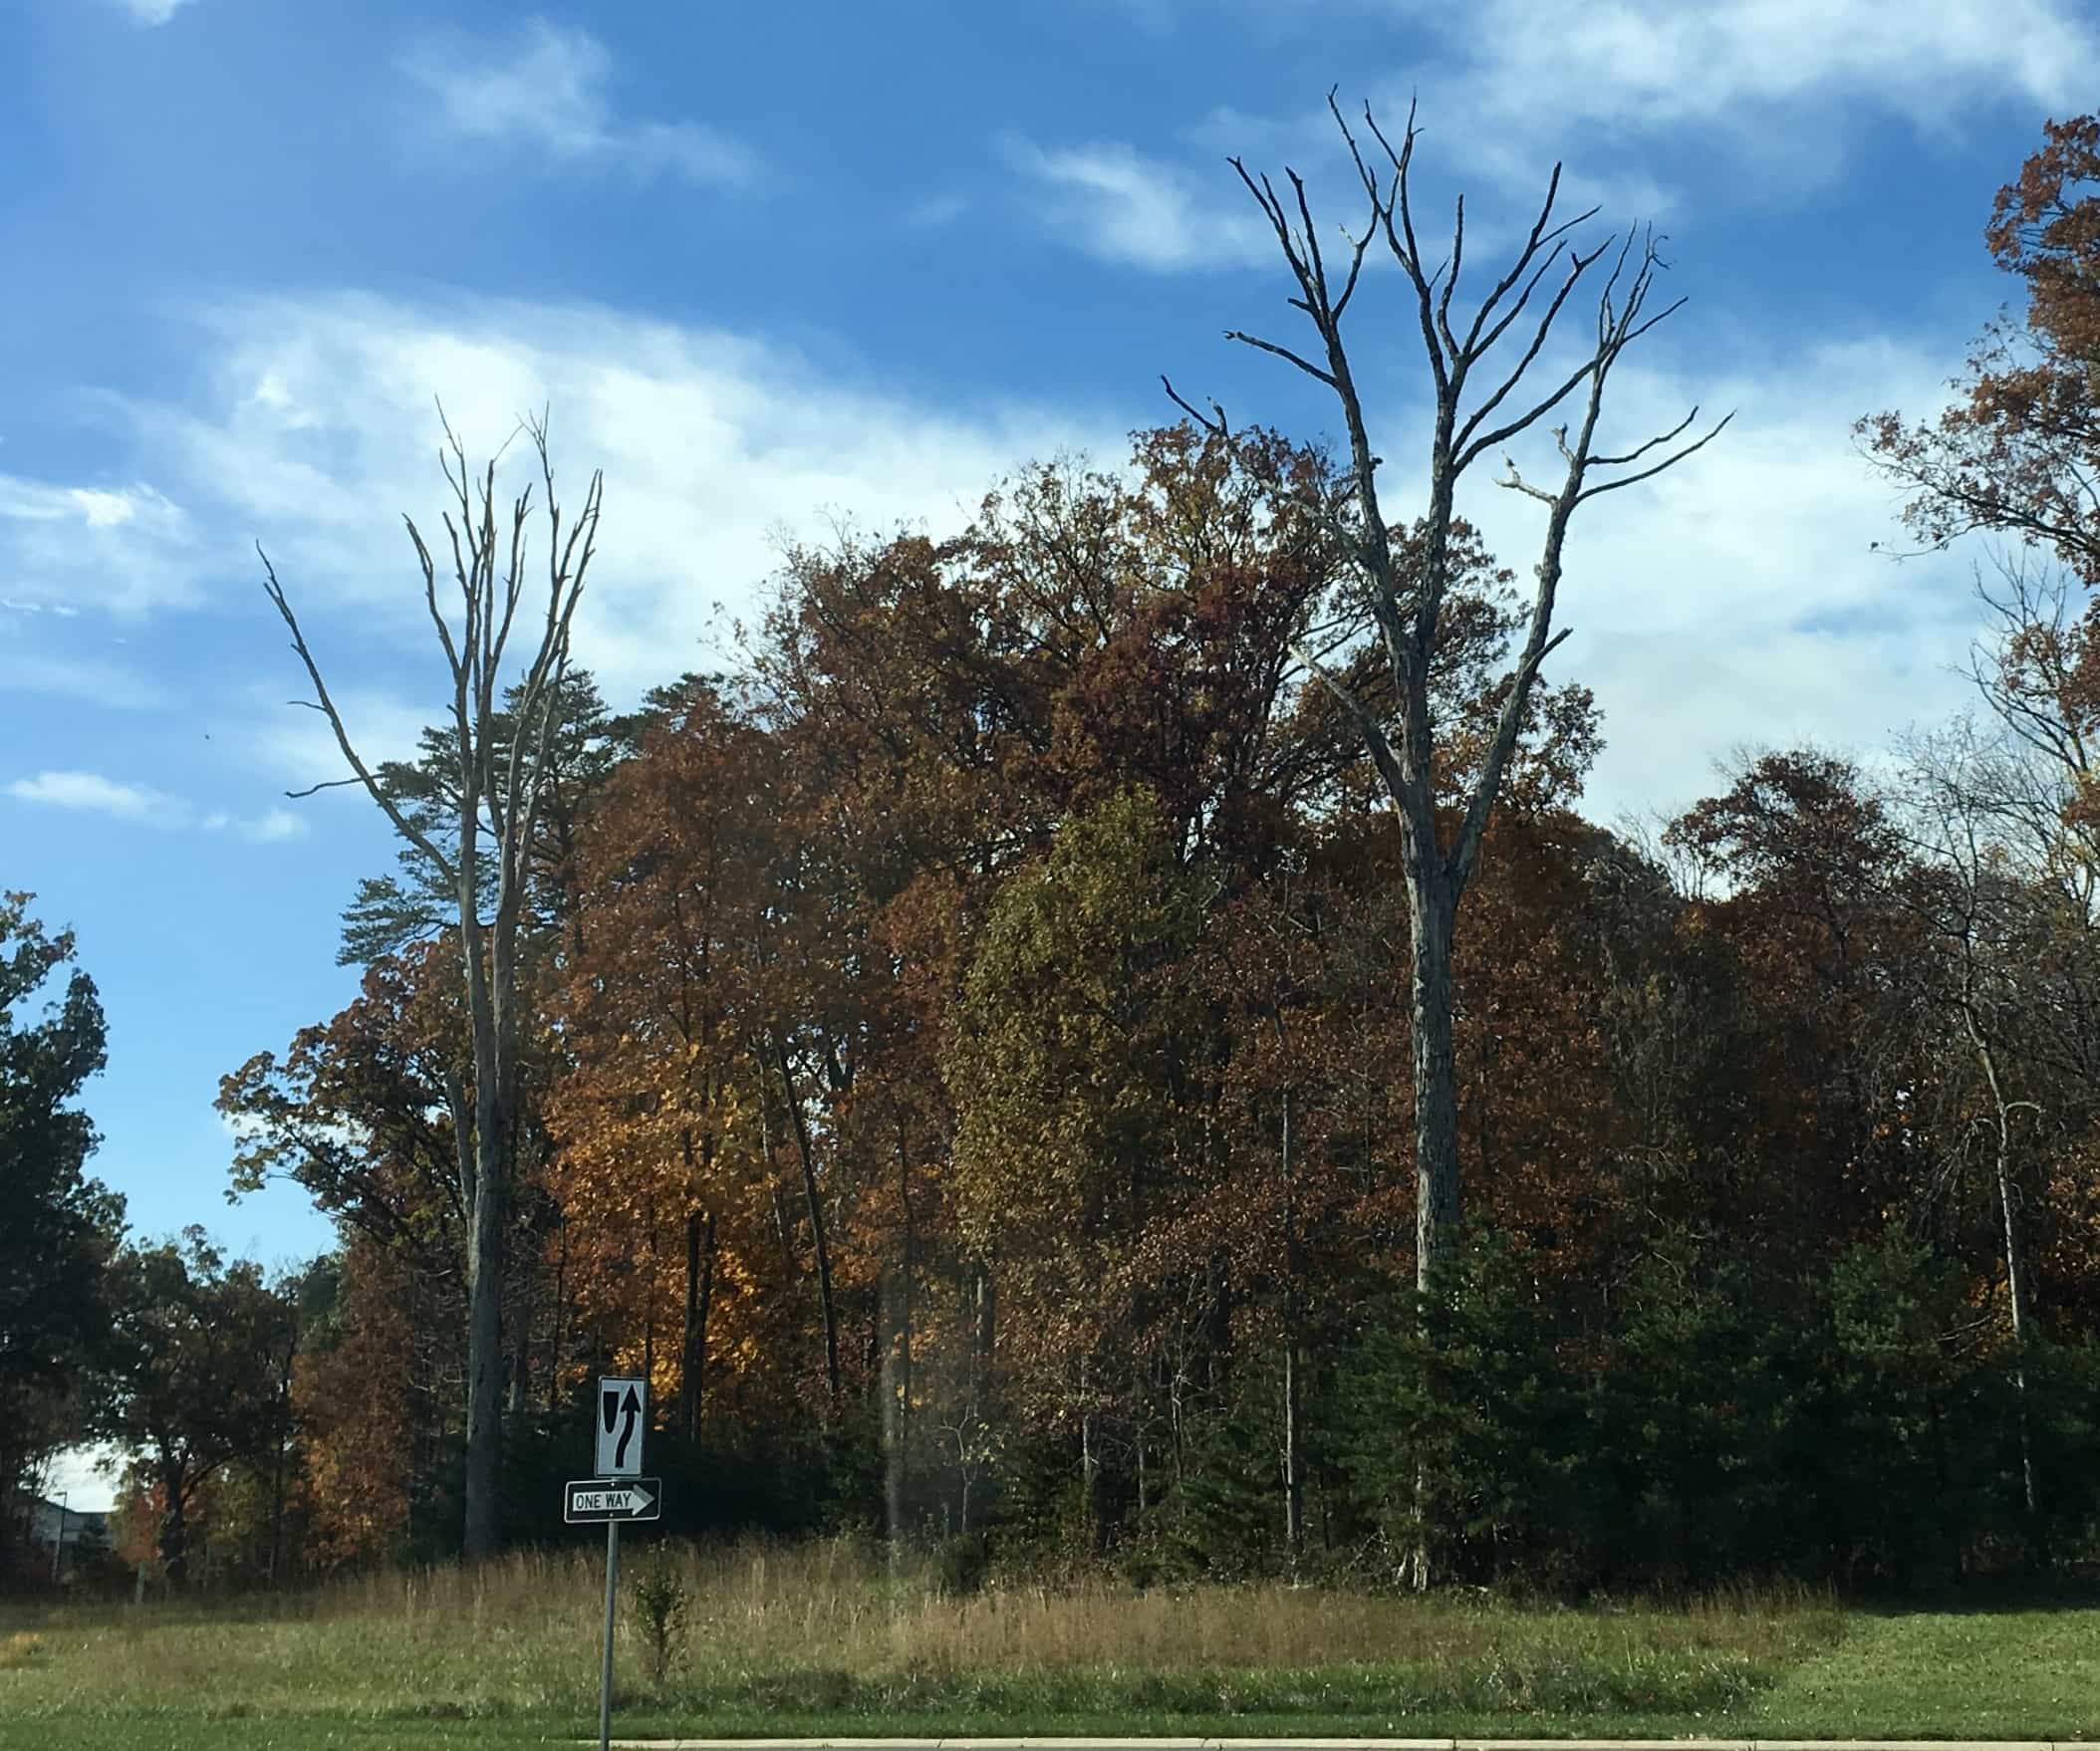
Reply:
x=714, y=447
x=151, y=12
x=71, y=677
x=89, y=792
x=1778, y=82
x=1116, y=203
x=1735, y=599
x=552, y=93
x=62, y=547
x=1655, y=64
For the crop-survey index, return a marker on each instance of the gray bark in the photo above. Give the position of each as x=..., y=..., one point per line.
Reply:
x=500, y=793
x=1404, y=610
x=825, y=1301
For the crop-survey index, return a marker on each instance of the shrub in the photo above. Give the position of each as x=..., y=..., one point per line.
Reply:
x=960, y=1564
x=663, y=1603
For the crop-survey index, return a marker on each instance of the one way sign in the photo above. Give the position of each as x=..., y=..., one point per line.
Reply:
x=623, y=1416
x=592, y=1498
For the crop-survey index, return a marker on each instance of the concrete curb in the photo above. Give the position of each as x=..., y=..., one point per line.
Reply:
x=1138, y=1743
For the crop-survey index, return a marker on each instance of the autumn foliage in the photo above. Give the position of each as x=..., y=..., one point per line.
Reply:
x=966, y=1073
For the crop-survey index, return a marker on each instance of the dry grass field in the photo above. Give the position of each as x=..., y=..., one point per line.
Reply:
x=823, y=1638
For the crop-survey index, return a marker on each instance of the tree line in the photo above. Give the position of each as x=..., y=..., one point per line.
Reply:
x=1004, y=1058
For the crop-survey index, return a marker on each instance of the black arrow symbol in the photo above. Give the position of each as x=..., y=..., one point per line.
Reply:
x=633, y=1407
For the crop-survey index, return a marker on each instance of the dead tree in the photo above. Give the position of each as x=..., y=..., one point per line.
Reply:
x=483, y=853
x=1404, y=606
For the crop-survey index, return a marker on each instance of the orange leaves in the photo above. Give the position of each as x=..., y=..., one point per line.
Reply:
x=2019, y=453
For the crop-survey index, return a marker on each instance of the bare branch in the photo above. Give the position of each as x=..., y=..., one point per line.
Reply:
x=326, y=784
x=1540, y=236
x=1658, y=438
x=1670, y=461
x=1284, y=353
x=1216, y=426
x=401, y=823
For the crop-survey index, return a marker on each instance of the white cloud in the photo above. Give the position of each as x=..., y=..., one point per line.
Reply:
x=91, y=793
x=274, y=825
x=1735, y=599
x=1658, y=63
x=92, y=678
x=1779, y=83
x=935, y=211
x=142, y=806
x=1122, y=206
x=128, y=548
x=1618, y=90
x=552, y=93
x=712, y=445
x=297, y=748
x=151, y=12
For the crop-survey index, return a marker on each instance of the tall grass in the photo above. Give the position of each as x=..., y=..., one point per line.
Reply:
x=834, y=1627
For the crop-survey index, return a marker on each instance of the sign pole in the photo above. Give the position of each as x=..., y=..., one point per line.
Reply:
x=619, y=1492
x=604, y=1680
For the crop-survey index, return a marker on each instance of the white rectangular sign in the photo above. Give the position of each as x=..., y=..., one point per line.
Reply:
x=594, y=1499
x=623, y=1417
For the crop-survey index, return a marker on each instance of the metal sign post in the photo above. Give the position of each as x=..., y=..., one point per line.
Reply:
x=605, y=1675
x=621, y=1421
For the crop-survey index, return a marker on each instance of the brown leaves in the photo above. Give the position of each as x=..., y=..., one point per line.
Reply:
x=2020, y=451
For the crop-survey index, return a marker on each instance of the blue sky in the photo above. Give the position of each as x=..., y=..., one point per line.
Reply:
x=776, y=267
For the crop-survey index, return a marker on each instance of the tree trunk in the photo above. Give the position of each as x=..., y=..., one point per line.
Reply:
x=521, y=1352
x=561, y=1314
x=506, y=812
x=484, y=1381
x=277, y=1463
x=899, y=1434
x=1090, y=1464
x=815, y=1218
x=174, y=1528
x=1430, y=910
x=2002, y=1112
x=1293, y=1389
x=986, y=1332
x=699, y=1293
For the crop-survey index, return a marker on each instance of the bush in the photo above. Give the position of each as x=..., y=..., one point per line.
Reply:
x=1707, y=1456
x=1463, y=1429
x=662, y=1605
x=960, y=1564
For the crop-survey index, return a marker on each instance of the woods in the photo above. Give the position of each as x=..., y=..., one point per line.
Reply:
x=1008, y=1060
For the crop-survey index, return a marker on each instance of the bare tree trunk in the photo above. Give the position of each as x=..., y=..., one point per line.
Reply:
x=1405, y=600
x=501, y=789
x=815, y=1218
x=1437, y=1207
x=2001, y=1113
x=484, y=1320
